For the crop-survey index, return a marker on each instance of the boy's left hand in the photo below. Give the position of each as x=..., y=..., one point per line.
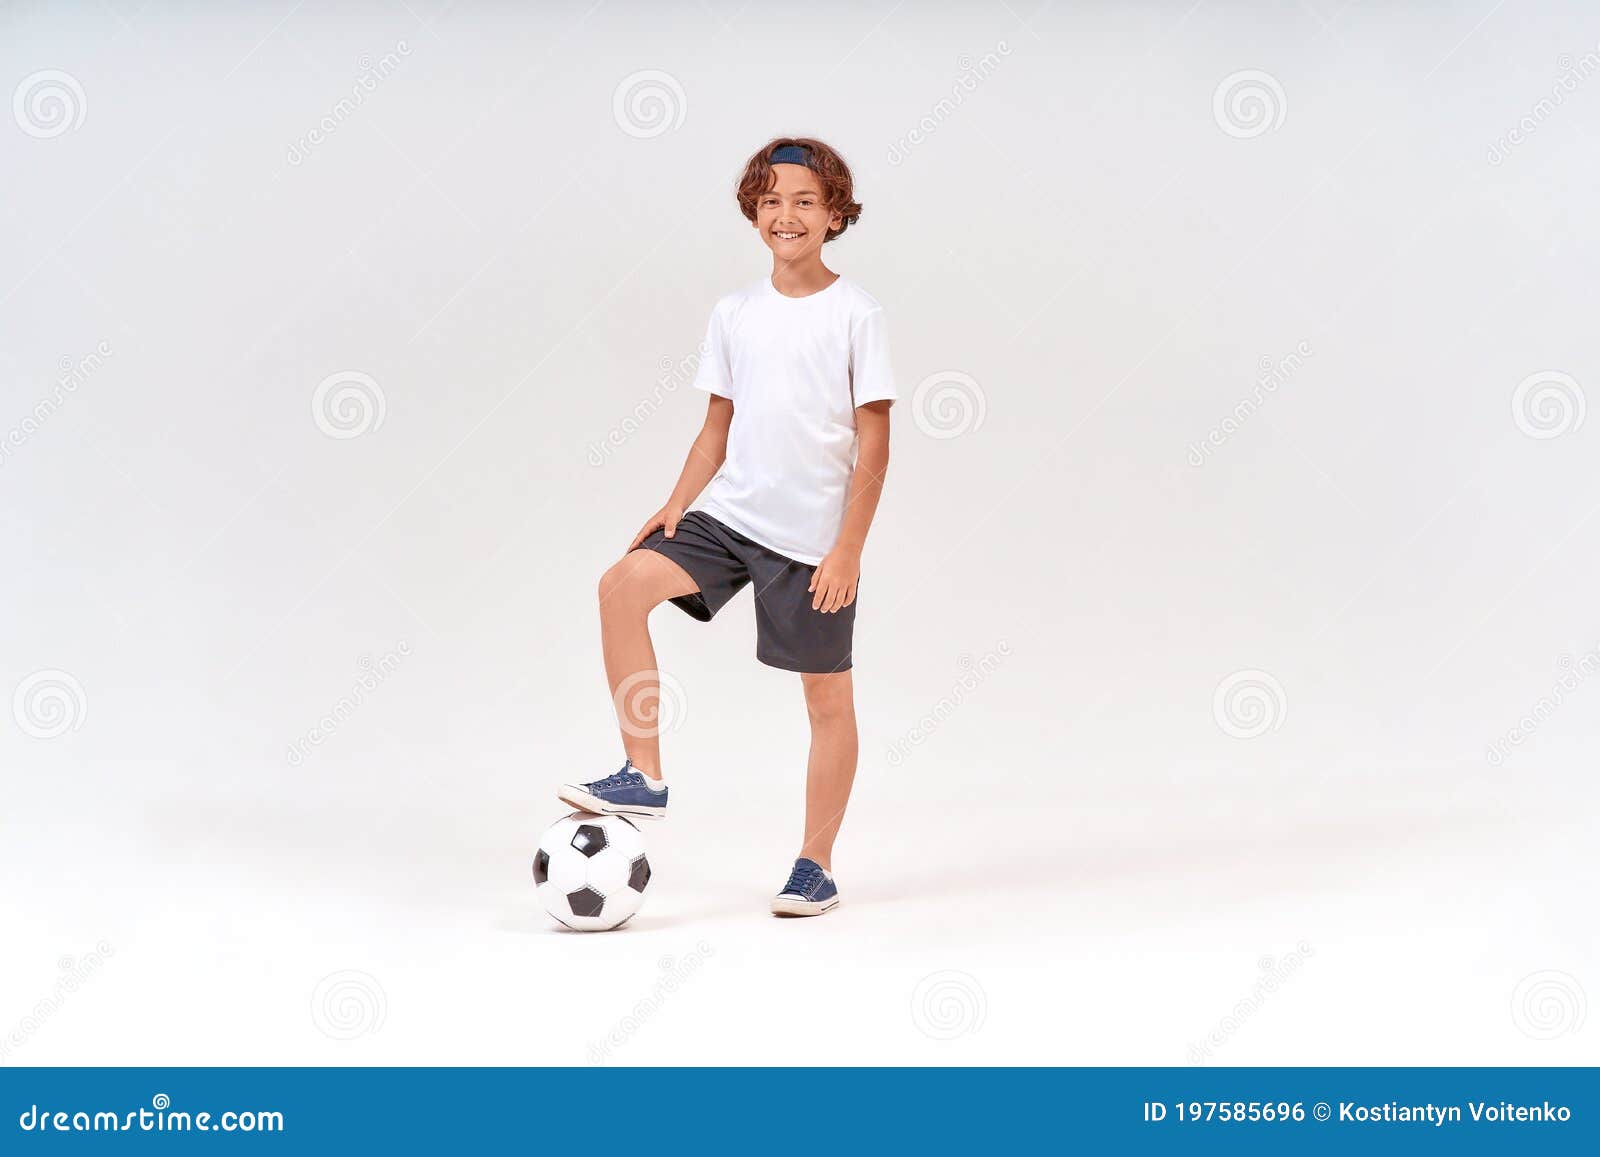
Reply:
x=834, y=580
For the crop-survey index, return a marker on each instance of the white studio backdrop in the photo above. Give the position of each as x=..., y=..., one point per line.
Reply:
x=1227, y=649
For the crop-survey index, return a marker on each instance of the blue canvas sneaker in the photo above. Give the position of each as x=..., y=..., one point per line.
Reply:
x=623, y=793
x=809, y=892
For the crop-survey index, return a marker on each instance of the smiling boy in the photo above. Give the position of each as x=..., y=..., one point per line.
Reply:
x=787, y=469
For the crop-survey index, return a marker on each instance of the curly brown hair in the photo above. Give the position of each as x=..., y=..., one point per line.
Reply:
x=833, y=174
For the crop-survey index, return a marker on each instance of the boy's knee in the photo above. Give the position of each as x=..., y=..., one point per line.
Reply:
x=614, y=582
x=829, y=698
x=626, y=584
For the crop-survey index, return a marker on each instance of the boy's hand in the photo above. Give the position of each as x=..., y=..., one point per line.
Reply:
x=834, y=580
x=667, y=517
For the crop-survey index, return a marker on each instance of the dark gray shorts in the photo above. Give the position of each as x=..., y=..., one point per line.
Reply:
x=789, y=634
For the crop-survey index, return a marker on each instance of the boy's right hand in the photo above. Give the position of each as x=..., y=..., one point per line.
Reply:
x=667, y=517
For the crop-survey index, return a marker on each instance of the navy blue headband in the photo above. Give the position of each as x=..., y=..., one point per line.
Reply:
x=790, y=155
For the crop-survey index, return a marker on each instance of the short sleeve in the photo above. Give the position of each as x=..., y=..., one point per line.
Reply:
x=715, y=374
x=871, y=376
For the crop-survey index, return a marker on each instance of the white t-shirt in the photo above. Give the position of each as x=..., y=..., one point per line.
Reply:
x=796, y=369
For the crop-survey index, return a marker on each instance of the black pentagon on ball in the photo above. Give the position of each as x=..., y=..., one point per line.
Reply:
x=590, y=839
x=586, y=902
x=541, y=866
x=640, y=874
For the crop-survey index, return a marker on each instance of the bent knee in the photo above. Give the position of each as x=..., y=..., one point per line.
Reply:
x=635, y=582
x=620, y=583
x=612, y=580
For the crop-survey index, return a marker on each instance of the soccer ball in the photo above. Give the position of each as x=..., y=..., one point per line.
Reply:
x=590, y=871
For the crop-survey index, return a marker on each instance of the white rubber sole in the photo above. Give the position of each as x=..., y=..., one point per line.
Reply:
x=783, y=906
x=585, y=802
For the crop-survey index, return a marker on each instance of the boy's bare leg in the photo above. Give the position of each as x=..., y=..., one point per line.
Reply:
x=634, y=585
x=831, y=768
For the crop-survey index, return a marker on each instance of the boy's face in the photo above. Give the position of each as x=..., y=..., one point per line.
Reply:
x=791, y=217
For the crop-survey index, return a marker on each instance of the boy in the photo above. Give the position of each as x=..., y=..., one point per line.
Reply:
x=794, y=447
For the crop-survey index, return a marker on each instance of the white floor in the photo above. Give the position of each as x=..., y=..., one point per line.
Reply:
x=1136, y=929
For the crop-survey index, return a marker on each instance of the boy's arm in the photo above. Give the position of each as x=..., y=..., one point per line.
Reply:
x=706, y=455
x=833, y=583
x=705, y=459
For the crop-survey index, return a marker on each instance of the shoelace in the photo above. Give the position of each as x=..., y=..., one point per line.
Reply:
x=803, y=880
x=615, y=779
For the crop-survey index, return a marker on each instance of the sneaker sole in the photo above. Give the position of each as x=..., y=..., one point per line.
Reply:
x=785, y=907
x=583, y=801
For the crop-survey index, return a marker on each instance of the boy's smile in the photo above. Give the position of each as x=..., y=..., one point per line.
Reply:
x=792, y=218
